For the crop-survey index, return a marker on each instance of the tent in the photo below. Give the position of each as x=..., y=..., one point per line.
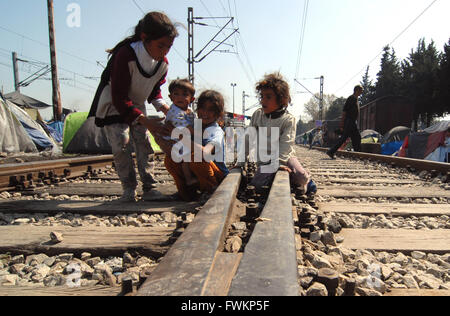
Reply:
x=32, y=106
x=368, y=133
x=430, y=144
x=14, y=136
x=393, y=140
x=396, y=134
x=82, y=136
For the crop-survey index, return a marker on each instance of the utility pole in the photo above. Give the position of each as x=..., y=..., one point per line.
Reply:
x=57, y=108
x=191, y=44
x=16, y=72
x=321, y=97
x=192, y=58
x=233, y=85
x=243, y=102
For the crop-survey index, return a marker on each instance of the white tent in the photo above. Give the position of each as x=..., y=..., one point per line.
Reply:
x=13, y=136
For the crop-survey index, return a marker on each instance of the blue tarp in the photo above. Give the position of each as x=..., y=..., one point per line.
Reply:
x=56, y=129
x=40, y=140
x=390, y=148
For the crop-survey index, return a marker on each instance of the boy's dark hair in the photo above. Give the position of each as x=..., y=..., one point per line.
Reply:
x=155, y=25
x=358, y=88
x=279, y=86
x=215, y=99
x=183, y=84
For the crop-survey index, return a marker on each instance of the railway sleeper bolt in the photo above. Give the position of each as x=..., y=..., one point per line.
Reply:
x=31, y=185
x=350, y=286
x=127, y=286
x=13, y=181
x=329, y=278
x=251, y=191
x=251, y=211
x=67, y=173
x=305, y=233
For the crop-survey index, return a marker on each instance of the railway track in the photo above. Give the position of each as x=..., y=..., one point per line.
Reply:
x=372, y=229
x=387, y=223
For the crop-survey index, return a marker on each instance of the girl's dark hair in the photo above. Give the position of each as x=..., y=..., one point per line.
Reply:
x=217, y=104
x=279, y=86
x=155, y=25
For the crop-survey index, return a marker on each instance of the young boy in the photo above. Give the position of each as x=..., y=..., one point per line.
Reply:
x=275, y=98
x=180, y=115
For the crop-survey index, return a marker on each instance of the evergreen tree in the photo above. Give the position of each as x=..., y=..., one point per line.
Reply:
x=420, y=77
x=388, y=79
x=368, y=94
x=443, y=93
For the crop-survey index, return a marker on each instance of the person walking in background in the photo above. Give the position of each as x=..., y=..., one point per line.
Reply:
x=134, y=74
x=349, y=123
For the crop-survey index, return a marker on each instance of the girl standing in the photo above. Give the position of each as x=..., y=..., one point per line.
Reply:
x=134, y=74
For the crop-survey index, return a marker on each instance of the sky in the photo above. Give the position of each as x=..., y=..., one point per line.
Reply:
x=302, y=39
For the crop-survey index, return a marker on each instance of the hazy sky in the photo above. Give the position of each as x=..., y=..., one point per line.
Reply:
x=340, y=38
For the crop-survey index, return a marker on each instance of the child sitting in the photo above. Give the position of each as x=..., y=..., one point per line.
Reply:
x=274, y=96
x=210, y=109
x=181, y=116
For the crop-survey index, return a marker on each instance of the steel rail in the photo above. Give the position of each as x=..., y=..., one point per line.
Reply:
x=25, y=175
x=418, y=164
x=196, y=266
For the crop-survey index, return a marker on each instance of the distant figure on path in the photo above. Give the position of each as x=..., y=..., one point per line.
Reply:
x=349, y=124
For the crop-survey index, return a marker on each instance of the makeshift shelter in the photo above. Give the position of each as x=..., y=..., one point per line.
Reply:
x=370, y=136
x=82, y=136
x=28, y=104
x=430, y=144
x=396, y=134
x=393, y=140
x=32, y=106
x=13, y=136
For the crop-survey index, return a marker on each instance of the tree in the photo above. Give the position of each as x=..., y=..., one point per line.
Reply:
x=312, y=107
x=335, y=110
x=443, y=93
x=388, y=78
x=420, y=74
x=369, y=89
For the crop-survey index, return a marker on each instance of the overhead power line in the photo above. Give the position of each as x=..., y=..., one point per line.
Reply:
x=302, y=36
x=47, y=46
x=390, y=44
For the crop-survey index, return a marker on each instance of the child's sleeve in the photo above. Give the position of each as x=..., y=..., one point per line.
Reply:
x=287, y=139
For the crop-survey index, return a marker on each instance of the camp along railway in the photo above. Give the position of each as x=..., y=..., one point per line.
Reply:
x=375, y=227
